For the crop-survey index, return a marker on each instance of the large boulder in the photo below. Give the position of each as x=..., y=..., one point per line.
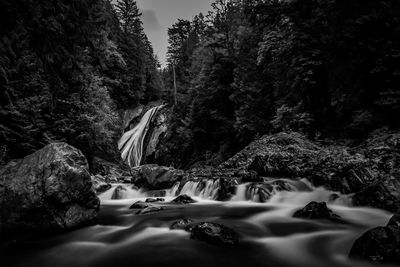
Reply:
x=379, y=245
x=154, y=177
x=50, y=190
x=377, y=195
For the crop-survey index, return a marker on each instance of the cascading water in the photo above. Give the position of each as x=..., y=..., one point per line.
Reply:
x=121, y=191
x=131, y=143
x=204, y=189
x=269, y=233
x=261, y=213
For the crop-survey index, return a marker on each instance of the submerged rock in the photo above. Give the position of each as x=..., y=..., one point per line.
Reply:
x=50, y=190
x=377, y=195
x=153, y=200
x=214, y=233
x=183, y=224
x=379, y=245
x=184, y=199
x=139, y=205
x=119, y=192
x=315, y=210
x=150, y=209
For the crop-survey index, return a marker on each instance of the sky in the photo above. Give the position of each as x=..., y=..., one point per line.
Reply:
x=159, y=15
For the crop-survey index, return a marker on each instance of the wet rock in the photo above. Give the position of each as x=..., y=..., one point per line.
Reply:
x=139, y=205
x=227, y=189
x=50, y=190
x=150, y=209
x=119, y=192
x=395, y=220
x=154, y=177
x=183, y=224
x=283, y=154
x=379, y=245
x=99, y=183
x=131, y=117
x=377, y=195
x=153, y=200
x=315, y=210
x=158, y=129
x=112, y=172
x=292, y=155
x=157, y=193
x=183, y=199
x=214, y=233
x=249, y=176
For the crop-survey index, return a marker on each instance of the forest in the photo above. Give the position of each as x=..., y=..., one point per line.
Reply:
x=329, y=69
x=68, y=68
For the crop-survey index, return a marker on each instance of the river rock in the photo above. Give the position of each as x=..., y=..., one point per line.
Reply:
x=154, y=177
x=377, y=195
x=150, y=209
x=184, y=199
x=214, y=233
x=49, y=190
x=119, y=192
x=315, y=210
x=153, y=200
x=379, y=245
x=112, y=172
x=99, y=183
x=139, y=205
x=183, y=224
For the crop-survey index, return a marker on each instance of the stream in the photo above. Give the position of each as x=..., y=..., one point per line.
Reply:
x=270, y=236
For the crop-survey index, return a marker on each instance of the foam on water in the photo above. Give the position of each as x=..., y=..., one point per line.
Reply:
x=269, y=233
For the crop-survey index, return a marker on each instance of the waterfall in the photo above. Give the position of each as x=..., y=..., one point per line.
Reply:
x=204, y=189
x=286, y=191
x=121, y=191
x=131, y=143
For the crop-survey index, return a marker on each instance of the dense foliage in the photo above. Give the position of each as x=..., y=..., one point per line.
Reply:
x=67, y=68
x=328, y=68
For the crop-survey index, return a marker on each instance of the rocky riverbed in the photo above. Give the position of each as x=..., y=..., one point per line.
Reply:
x=281, y=191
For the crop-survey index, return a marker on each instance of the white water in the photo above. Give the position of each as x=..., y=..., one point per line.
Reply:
x=131, y=143
x=270, y=235
x=203, y=189
x=124, y=192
